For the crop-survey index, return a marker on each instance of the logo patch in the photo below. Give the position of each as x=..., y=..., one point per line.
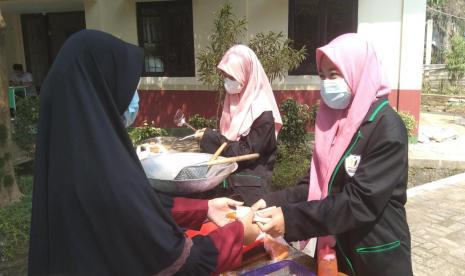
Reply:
x=351, y=164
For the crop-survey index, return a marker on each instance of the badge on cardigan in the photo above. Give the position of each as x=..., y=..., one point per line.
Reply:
x=351, y=164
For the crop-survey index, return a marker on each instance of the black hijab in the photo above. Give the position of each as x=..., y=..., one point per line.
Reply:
x=94, y=212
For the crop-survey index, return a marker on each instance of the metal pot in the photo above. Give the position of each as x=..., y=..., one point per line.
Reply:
x=163, y=168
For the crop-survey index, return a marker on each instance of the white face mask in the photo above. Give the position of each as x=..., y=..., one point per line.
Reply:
x=335, y=93
x=232, y=86
x=129, y=116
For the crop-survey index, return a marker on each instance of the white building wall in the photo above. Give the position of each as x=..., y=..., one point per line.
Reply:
x=413, y=39
x=392, y=26
x=273, y=15
x=396, y=28
x=380, y=22
x=117, y=17
x=14, y=49
x=267, y=15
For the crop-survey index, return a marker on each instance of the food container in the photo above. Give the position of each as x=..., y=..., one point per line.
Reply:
x=282, y=268
x=145, y=150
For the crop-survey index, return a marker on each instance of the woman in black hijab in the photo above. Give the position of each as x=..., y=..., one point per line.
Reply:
x=94, y=212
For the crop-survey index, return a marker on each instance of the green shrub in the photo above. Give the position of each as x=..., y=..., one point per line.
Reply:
x=409, y=121
x=25, y=126
x=291, y=166
x=313, y=112
x=275, y=52
x=454, y=90
x=200, y=122
x=455, y=59
x=138, y=134
x=295, y=118
x=15, y=222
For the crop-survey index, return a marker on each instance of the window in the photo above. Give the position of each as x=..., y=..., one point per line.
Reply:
x=165, y=32
x=314, y=23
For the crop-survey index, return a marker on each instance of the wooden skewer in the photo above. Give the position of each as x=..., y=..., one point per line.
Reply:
x=219, y=151
x=234, y=159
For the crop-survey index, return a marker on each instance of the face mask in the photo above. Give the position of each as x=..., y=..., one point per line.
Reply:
x=232, y=86
x=335, y=93
x=129, y=116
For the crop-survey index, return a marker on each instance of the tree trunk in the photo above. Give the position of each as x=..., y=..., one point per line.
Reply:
x=9, y=191
x=449, y=34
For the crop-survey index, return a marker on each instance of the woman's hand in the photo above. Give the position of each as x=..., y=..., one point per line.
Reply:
x=258, y=205
x=276, y=226
x=199, y=134
x=251, y=230
x=219, y=207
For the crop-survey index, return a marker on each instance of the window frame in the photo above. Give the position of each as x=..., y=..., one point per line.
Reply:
x=166, y=38
x=322, y=32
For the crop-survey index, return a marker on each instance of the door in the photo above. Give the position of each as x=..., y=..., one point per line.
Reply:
x=43, y=36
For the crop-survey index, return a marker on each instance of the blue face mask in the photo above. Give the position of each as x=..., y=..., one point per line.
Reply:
x=129, y=116
x=335, y=93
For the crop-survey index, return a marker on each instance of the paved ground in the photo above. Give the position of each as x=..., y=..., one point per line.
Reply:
x=436, y=216
x=447, y=154
x=436, y=211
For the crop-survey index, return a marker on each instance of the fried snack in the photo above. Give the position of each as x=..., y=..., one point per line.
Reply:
x=231, y=215
x=240, y=212
x=275, y=249
x=154, y=148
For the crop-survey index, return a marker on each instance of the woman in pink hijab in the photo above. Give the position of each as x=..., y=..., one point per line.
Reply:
x=250, y=123
x=354, y=195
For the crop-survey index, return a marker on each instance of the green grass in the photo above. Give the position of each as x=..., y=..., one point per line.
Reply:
x=15, y=223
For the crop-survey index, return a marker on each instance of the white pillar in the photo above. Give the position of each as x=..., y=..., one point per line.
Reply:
x=429, y=40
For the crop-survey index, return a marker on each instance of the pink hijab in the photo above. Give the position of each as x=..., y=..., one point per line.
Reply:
x=256, y=96
x=356, y=58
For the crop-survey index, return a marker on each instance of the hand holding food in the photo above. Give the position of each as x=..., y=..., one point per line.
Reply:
x=199, y=134
x=219, y=208
x=275, y=226
x=242, y=211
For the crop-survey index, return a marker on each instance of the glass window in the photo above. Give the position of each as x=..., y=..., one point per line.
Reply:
x=314, y=23
x=166, y=34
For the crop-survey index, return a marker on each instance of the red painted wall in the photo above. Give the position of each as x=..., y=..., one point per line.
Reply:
x=160, y=106
x=407, y=101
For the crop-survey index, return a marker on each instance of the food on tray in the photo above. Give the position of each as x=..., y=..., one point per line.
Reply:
x=277, y=249
x=156, y=148
x=147, y=149
x=282, y=271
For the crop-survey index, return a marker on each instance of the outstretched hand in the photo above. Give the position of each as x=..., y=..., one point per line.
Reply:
x=219, y=207
x=276, y=226
x=199, y=134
